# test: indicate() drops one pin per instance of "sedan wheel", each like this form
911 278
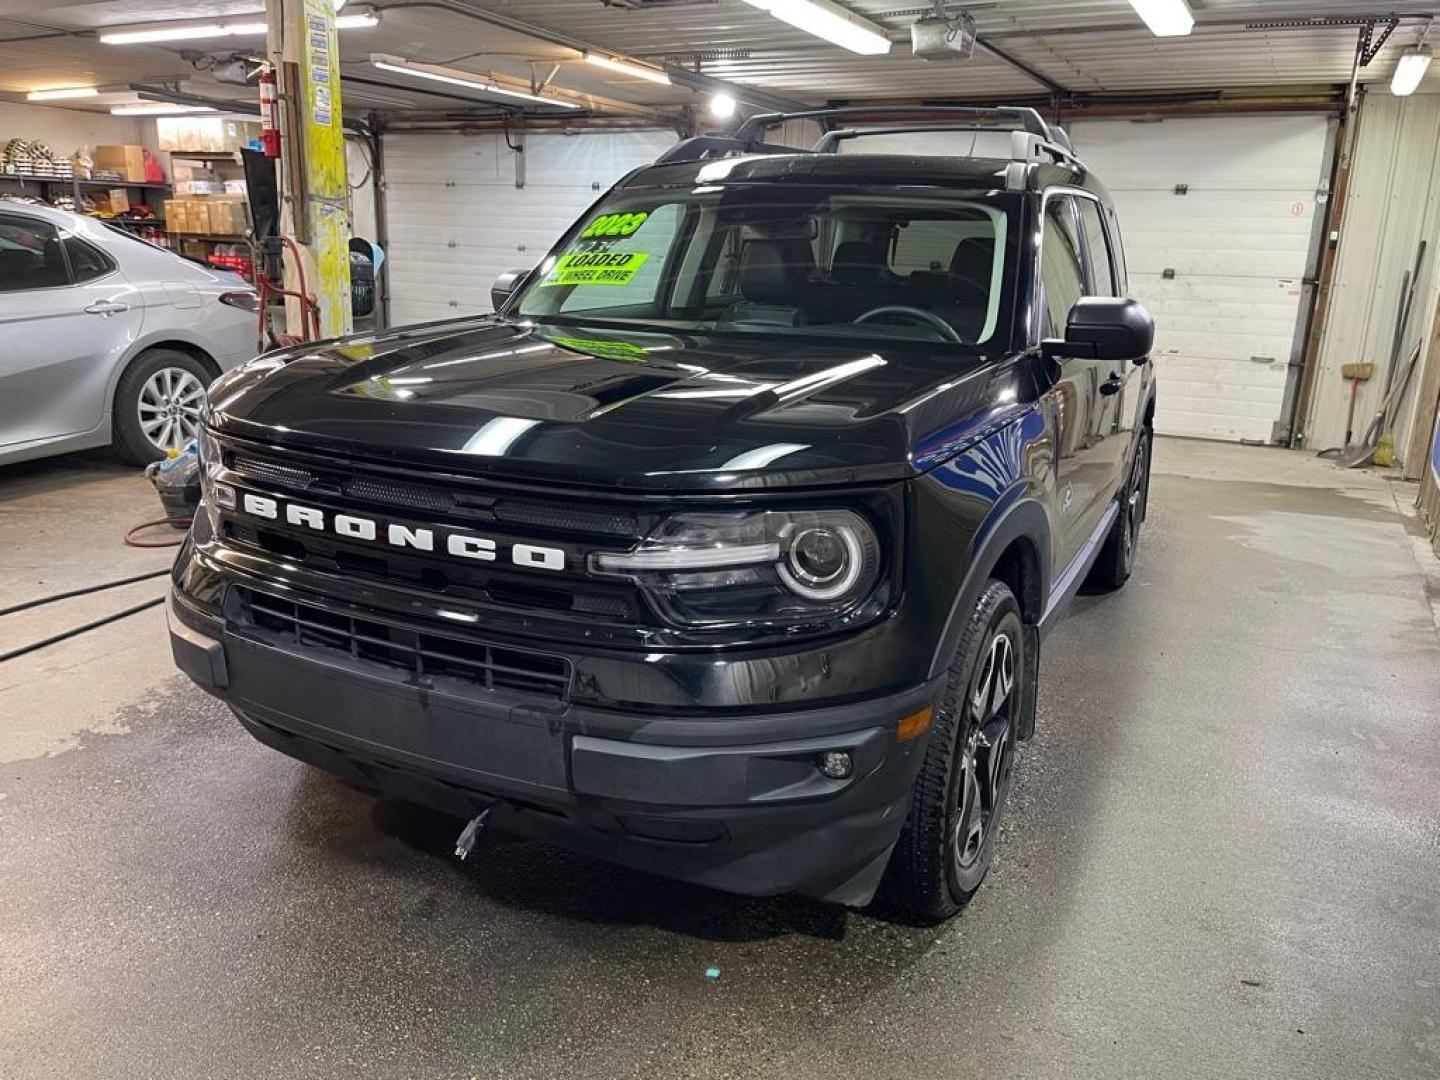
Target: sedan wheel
158 404
169 408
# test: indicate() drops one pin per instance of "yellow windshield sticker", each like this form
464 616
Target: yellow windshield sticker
614 225
596 268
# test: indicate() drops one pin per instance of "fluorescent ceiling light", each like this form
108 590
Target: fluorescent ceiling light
197 32
56 95
1165 18
159 108
454 77
626 67
830 21
1410 70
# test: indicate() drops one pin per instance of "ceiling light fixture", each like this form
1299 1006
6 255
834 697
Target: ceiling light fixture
159 108
1165 18
200 31
1410 69
627 67
66 92
455 77
830 21
722 106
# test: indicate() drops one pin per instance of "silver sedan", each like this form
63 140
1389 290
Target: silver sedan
108 339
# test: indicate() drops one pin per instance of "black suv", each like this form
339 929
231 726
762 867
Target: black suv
725 548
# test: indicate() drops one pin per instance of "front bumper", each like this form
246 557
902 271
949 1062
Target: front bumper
729 800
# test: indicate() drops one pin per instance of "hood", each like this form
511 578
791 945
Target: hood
617 409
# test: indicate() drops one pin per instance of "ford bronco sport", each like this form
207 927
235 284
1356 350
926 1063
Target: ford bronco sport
724 549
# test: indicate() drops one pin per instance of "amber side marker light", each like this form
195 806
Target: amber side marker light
914 725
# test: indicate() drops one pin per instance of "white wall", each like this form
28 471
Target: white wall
67 130
1394 201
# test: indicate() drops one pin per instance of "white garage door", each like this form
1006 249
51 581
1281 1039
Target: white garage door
1221 265
456 218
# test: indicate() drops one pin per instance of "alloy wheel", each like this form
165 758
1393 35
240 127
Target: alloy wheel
169 408
1135 497
986 753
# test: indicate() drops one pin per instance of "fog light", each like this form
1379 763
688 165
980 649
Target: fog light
836 764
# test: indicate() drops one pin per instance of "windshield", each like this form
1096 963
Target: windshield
844 262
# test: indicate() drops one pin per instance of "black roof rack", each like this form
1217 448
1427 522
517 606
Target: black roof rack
1032 139
1026 119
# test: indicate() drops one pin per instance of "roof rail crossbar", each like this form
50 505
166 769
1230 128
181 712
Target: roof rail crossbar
1025 118
1024 145
702 147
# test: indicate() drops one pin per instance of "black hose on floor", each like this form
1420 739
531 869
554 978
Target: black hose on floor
91 625
86 591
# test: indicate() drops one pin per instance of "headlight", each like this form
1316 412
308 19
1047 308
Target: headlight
781 568
213 495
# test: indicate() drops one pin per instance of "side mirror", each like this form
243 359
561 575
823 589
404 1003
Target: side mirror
506 286
1104 328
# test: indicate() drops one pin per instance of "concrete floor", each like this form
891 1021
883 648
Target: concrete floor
1223 857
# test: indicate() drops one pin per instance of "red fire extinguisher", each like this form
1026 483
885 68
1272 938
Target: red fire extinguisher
269 114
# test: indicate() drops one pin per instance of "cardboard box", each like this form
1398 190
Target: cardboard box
205 134
177 219
128 161
114 201
198 213
227 215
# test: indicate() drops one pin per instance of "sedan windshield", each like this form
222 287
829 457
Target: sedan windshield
841 262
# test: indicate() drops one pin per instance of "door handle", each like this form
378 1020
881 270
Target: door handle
106 307
1113 385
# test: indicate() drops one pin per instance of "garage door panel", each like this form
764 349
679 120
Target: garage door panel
457 220
583 160
1250 153
1236 243
444 159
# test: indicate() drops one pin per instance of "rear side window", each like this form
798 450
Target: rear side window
1102 267
1061 272
30 255
86 262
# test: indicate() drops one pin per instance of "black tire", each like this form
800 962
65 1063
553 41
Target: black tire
1117 558
948 840
129 439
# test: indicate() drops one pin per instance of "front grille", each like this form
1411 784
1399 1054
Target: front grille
419 657
574 602
404 495
370 487
271 473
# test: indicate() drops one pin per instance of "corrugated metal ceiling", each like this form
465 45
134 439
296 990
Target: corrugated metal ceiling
1086 46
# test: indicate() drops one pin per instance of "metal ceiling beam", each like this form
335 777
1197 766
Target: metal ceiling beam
691 79
1022 67
176 97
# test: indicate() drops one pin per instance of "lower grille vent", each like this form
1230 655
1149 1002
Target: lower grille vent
420 656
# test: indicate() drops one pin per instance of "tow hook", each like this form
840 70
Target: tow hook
465 842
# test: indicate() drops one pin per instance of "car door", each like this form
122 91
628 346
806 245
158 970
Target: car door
1085 461
1126 379
67 318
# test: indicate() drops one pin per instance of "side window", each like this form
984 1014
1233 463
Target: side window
85 261
1102 269
1061 272
30 255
